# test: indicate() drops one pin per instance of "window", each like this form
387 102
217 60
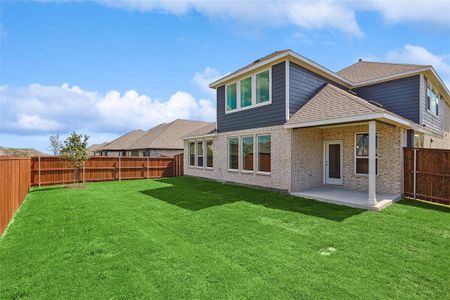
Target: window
249 92
209 154
432 100
247 153
231 97
262 87
246 92
192 154
233 153
199 153
264 153
362 153
418 140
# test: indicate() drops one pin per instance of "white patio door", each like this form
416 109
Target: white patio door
333 162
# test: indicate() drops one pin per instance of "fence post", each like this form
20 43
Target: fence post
83 172
39 170
414 173
148 165
120 179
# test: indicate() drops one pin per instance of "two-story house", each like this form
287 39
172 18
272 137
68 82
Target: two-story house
285 122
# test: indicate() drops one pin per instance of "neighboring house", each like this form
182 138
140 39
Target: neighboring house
164 140
20 152
287 123
94 149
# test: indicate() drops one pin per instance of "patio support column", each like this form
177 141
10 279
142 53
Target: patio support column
372 163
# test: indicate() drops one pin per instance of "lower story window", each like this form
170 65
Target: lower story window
264 153
209 154
233 153
200 154
247 153
192 154
362 154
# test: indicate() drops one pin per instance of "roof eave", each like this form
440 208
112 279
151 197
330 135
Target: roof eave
381 116
287 55
199 136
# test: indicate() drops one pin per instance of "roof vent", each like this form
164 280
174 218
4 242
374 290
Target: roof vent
375 103
257 60
360 60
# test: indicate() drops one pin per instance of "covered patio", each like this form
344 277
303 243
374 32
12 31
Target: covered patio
348 151
352 198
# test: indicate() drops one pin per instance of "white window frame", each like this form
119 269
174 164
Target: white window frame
242 153
356 156
438 98
195 154
228 154
205 162
257 154
238 92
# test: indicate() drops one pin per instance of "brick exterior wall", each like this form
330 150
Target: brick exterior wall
279 178
297 158
307 164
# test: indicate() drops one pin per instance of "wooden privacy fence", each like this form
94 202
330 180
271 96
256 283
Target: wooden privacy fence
427 174
53 170
14 186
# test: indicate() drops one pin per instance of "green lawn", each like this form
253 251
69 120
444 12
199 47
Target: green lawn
189 238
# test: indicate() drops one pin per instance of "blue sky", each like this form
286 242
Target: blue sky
105 67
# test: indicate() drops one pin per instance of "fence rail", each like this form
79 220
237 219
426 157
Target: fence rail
14 187
48 170
427 174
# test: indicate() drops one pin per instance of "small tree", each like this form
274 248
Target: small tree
55 144
75 151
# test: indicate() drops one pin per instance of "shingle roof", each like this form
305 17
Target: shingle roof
96 147
167 136
125 141
205 130
332 102
365 70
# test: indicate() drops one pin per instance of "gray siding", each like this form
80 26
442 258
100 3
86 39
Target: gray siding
303 84
264 116
399 96
431 121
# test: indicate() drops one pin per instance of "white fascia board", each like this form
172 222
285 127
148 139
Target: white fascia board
199 136
350 119
222 80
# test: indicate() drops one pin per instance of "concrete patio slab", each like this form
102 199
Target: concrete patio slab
352 198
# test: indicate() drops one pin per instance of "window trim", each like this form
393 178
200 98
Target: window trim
258 172
242 153
197 141
206 153
429 86
253 91
228 154
356 156
195 154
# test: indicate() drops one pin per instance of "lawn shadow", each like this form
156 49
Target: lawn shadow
195 194
425 205
47 188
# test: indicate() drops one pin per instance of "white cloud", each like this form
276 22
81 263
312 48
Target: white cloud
414 54
398 11
203 79
39 109
312 15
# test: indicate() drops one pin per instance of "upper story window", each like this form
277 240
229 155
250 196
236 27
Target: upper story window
249 92
432 99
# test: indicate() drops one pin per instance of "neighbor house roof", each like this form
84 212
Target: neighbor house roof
366 70
209 129
167 136
96 147
332 104
125 141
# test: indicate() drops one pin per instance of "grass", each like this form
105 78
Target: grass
189 238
